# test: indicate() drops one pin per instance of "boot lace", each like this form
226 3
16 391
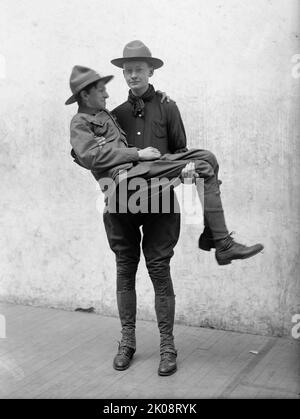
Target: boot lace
167 355
123 350
229 241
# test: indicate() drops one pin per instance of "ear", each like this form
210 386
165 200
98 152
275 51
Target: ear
151 71
83 96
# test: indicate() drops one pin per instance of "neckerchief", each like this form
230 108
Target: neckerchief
137 102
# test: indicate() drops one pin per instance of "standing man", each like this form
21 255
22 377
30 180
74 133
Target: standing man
160 231
147 122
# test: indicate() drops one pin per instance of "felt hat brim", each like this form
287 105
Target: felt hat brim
155 62
72 99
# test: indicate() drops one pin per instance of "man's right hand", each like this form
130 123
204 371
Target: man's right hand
149 153
101 141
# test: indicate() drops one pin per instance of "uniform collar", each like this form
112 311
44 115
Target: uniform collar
90 111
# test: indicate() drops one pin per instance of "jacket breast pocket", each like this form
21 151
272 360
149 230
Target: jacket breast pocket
159 129
99 128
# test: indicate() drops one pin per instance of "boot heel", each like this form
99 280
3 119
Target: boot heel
224 262
205 247
205 243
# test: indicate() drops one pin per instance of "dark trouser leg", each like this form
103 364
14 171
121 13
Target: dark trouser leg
171 167
213 209
124 239
161 233
207 167
206 238
212 200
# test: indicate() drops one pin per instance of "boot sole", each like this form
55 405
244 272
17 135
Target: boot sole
207 249
228 261
206 244
121 369
165 374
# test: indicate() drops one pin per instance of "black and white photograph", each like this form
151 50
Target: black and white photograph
150 202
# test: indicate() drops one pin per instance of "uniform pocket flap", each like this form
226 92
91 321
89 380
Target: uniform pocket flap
159 129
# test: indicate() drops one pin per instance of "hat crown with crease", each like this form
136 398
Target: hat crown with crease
137 51
80 78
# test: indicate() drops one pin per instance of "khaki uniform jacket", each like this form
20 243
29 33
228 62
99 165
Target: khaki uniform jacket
108 160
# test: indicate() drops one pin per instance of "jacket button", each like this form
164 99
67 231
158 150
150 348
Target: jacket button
138 133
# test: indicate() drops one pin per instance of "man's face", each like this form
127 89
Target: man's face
96 98
137 75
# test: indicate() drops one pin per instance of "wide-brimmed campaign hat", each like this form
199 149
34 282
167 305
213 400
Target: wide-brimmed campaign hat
137 51
82 77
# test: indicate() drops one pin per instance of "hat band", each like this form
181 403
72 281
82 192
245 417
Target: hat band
85 83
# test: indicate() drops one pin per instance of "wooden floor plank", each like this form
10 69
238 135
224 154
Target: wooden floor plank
59 354
52 343
62 358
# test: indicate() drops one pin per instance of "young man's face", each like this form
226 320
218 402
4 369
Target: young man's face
96 97
137 75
